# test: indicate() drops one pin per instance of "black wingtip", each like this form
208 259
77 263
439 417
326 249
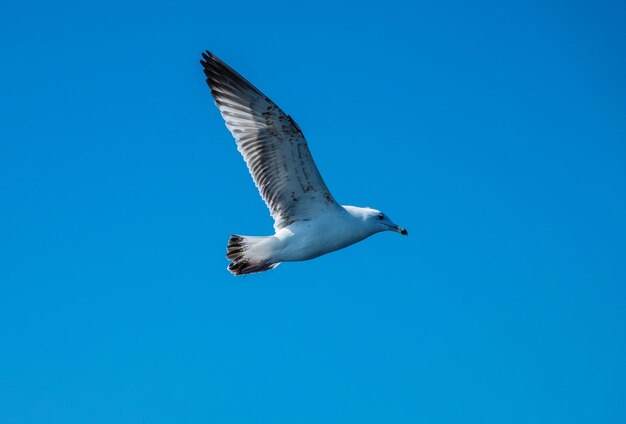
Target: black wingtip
217 72
208 60
207 57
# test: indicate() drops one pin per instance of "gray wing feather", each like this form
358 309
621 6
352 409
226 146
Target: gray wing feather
272 145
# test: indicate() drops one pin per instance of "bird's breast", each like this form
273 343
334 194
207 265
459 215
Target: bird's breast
305 240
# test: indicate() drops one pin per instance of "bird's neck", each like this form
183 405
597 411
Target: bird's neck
359 220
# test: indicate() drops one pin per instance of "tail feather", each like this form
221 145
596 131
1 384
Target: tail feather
243 262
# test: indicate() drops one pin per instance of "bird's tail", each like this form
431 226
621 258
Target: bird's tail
245 258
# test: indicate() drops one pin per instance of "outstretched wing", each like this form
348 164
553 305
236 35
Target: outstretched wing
272 145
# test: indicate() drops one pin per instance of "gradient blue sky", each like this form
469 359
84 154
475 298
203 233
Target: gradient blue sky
494 131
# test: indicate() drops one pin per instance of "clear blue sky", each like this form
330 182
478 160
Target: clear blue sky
495 132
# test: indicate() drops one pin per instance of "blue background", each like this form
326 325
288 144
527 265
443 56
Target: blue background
494 131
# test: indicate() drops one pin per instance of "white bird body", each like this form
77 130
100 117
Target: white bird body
304 240
308 222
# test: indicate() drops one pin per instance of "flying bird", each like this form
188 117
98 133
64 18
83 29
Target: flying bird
308 222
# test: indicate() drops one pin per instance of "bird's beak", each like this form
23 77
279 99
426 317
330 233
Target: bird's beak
401 230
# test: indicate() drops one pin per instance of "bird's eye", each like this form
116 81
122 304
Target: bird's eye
380 216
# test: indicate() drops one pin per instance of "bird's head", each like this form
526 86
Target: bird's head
375 220
380 221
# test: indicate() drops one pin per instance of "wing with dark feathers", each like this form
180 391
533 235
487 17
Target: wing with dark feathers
272 145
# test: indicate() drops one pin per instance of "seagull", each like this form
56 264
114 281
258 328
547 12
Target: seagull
308 222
